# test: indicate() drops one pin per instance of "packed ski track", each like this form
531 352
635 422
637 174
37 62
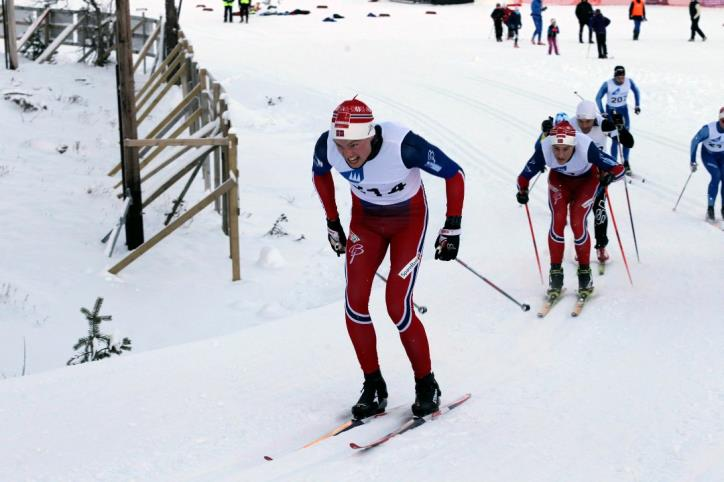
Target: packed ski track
223 374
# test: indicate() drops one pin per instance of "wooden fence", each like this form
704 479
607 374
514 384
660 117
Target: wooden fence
192 137
78 28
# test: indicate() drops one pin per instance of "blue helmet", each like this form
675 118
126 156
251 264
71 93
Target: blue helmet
560 117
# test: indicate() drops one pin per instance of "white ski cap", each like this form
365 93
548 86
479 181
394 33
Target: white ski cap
586 110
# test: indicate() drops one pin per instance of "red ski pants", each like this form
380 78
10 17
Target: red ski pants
373 230
577 195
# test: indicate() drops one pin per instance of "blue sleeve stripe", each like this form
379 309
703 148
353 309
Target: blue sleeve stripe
637 94
320 164
698 138
417 152
601 92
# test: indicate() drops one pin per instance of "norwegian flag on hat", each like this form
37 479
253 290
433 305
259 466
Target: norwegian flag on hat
351 120
563 133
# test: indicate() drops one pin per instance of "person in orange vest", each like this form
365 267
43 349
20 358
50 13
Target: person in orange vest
637 13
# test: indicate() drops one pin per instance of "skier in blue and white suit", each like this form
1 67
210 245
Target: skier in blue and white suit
616 91
712 156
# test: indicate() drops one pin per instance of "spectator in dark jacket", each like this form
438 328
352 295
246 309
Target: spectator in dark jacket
584 12
695 14
514 24
507 12
599 24
497 17
637 13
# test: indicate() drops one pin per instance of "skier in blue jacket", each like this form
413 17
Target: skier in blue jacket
712 156
616 91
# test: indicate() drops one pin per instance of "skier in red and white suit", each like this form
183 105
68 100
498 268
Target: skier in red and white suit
382 163
575 163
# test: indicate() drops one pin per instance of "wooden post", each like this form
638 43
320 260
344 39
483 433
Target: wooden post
216 92
224 167
131 171
205 119
233 211
11 39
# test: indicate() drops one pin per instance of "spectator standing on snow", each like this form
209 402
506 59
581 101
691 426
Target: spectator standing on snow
515 22
599 24
228 10
536 11
695 14
553 32
584 12
637 13
507 12
497 17
244 10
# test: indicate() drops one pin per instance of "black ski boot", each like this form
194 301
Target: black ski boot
427 396
627 168
555 281
374 396
710 214
585 281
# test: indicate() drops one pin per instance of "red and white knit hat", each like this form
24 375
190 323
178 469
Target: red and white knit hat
563 133
352 120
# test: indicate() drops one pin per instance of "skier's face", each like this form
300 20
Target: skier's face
586 125
355 152
562 153
619 79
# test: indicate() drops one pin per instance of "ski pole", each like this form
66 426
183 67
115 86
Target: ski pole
615 226
535 245
579 95
630 214
522 306
682 191
420 308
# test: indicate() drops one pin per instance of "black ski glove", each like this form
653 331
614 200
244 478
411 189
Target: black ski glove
605 179
336 237
448 241
617 120
546 125
637 110
522 197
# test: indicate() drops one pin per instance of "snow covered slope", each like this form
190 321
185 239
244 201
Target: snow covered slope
224 373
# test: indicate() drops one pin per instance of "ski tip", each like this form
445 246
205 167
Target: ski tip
354 445
266 457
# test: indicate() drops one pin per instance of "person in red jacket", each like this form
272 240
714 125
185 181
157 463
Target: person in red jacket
383 164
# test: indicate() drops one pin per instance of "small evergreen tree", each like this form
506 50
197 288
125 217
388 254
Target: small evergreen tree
96 345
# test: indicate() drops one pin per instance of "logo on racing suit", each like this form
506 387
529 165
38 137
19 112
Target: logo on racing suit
356 250
409 267
354 176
